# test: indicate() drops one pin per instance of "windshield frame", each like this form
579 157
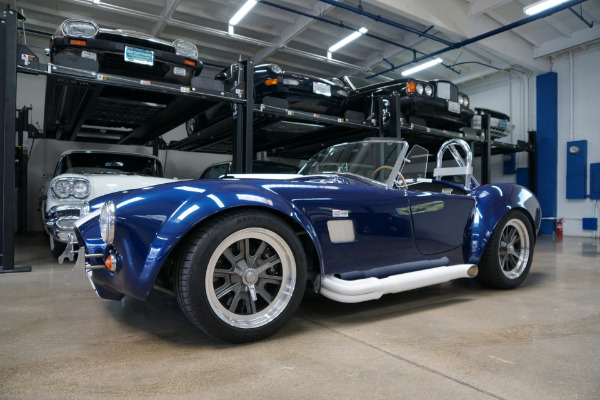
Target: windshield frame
389 183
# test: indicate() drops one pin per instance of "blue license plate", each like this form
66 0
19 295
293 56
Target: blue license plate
139 56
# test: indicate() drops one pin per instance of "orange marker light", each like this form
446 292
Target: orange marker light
411 87
77 42
270 82
111 263
191 63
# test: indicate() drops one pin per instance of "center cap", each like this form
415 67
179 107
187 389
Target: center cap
511 248
250 277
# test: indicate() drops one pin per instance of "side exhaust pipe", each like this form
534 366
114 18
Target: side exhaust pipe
373 288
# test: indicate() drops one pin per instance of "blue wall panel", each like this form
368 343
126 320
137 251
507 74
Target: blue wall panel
595 181
547 147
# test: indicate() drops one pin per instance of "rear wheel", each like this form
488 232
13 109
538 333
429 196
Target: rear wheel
242 276
507 258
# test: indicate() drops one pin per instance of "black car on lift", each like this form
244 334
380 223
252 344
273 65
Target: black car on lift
81 44
279 88
435 104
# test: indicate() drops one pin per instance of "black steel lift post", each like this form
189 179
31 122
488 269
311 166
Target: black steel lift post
8 106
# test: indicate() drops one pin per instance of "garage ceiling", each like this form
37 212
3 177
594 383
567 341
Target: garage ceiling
282 32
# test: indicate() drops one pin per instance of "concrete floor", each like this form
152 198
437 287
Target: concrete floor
451 341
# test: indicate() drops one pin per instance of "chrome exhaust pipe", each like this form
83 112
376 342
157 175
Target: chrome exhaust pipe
373 288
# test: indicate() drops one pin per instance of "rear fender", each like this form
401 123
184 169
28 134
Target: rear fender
493 202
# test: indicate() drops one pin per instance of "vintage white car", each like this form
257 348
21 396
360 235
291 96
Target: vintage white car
83 175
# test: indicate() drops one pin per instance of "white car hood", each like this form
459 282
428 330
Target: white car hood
102 184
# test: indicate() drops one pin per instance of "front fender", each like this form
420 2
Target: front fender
145 236
493 202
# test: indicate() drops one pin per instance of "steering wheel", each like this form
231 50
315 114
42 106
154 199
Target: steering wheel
404 184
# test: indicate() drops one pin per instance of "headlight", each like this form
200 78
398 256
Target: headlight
80 28
429 90
419 88
186 49
61 188
466 101
66 187
81 189
107 222
460 99
275 68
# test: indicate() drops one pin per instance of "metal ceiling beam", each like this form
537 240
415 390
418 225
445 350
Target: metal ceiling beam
479 7
494 32
578 38
517 31
289 33
165 15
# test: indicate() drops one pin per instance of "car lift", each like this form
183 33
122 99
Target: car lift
246 129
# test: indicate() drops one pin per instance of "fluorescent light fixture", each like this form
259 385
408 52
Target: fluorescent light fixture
540 6
242 12
421 67
348 39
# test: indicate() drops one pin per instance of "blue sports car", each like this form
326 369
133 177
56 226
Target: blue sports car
360 220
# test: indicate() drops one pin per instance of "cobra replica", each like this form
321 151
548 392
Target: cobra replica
359 221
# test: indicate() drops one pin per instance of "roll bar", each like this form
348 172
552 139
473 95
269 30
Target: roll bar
464 168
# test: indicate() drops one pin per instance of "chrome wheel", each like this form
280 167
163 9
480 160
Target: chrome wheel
250 278
514 248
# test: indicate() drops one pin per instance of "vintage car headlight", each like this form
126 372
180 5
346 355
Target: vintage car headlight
419 88
80 28
186 49
275 68
66 187
107 222
461 100
429 90
466 101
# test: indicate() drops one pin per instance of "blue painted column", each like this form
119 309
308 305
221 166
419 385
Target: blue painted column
547 147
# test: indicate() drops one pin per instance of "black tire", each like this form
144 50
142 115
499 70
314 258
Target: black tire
59 248
507 258
237 302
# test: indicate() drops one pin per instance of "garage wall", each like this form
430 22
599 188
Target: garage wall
578 119
508 93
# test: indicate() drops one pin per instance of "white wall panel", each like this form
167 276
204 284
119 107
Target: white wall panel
583 124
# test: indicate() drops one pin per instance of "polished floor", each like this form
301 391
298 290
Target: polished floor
450 341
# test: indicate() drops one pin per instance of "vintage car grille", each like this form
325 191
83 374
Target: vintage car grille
136 42
67 213
447 91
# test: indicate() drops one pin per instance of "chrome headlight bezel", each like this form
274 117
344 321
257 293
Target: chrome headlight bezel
106 222
90 28
185 49
63 188
275 68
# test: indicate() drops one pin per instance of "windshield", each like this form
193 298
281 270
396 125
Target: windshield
108 163
372 159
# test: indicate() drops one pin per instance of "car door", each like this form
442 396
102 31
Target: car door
441 222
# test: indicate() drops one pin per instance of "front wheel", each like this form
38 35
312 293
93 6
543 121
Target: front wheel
242 276
507 258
